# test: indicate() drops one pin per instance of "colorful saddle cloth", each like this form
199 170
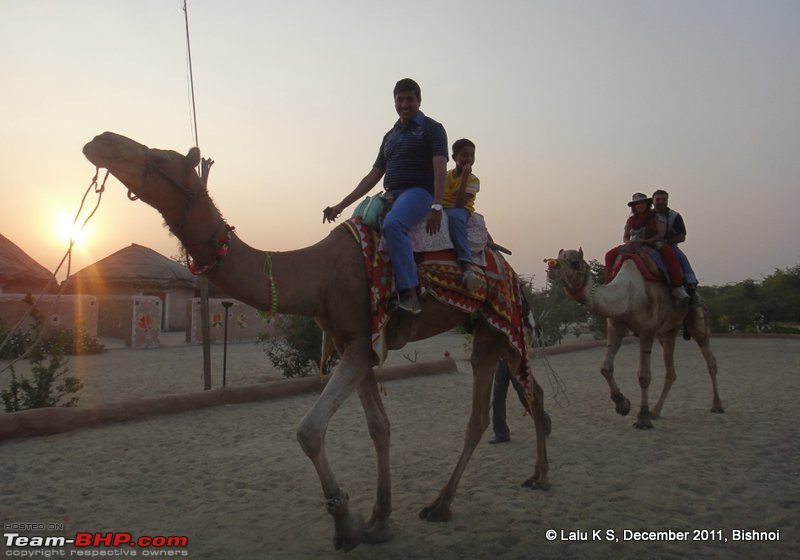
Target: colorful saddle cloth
639 258
499 301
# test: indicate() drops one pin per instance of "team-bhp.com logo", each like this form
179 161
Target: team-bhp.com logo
95 540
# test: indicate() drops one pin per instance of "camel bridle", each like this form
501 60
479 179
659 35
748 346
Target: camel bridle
218 243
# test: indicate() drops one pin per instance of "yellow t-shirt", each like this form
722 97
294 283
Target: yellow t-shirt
451 186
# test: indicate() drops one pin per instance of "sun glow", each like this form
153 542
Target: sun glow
66 231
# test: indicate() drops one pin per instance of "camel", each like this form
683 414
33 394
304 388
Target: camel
328 282
649 311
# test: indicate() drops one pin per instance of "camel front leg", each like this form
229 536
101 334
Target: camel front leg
354 366
485 353
615 333
378 529
667 341
643 421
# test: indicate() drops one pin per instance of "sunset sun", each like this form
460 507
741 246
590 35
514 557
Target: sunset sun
65 231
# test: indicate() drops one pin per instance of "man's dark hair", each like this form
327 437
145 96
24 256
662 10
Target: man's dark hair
407 84
459 145
661 191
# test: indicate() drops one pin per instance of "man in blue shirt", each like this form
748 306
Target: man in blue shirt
412 161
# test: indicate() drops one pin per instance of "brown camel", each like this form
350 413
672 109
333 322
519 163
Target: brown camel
649 311
326 281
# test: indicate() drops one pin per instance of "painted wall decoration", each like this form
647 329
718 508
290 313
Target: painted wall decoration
244 322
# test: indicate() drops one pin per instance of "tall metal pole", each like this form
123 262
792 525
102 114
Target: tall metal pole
205 327
227 305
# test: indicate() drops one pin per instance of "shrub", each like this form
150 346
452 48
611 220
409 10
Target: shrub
49 383
297 352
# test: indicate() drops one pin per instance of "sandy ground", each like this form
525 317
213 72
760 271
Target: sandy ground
235 482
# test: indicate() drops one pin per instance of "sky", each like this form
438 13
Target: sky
573 106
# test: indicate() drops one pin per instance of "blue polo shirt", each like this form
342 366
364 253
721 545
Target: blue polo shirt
406 153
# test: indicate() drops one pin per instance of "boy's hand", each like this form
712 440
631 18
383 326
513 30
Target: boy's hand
466 171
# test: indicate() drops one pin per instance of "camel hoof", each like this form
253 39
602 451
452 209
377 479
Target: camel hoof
436 514
350 534
535 483
717 409
623 405
378 533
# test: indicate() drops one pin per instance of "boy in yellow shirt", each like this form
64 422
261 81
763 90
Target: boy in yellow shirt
460 189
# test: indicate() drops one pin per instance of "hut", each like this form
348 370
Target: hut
132 272
20 274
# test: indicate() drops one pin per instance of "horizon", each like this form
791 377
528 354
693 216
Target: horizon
573 107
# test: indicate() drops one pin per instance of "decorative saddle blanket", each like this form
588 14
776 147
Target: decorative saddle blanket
655 271
423 242
499 301
372 210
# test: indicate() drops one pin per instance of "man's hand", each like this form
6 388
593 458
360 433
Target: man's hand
434 222
331 213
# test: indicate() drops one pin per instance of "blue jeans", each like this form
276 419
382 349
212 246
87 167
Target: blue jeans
457 223
502 378
688 274
410 207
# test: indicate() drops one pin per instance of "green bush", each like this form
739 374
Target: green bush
49 383
298 350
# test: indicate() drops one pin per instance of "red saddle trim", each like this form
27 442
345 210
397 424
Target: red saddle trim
640 264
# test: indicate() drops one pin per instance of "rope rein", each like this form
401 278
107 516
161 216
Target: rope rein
98 190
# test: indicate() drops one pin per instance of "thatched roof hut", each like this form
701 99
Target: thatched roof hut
20 274
138 271
134 265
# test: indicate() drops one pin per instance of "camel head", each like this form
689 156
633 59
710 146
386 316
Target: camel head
569 269
164 179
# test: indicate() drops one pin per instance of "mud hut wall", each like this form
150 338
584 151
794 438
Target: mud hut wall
66 311
244 322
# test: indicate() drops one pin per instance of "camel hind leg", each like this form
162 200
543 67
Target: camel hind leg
543 426
487 346
698 326
644 419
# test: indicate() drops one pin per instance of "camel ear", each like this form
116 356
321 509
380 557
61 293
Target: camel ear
193 157
560 253
580 252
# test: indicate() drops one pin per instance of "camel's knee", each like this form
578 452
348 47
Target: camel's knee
310 437
644 381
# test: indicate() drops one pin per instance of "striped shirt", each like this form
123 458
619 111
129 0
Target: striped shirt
406 153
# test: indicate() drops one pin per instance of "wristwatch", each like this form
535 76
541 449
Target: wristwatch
437 207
